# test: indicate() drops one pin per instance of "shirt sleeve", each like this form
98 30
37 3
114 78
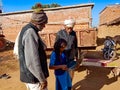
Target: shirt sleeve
52 59
15 50
57 36
30 41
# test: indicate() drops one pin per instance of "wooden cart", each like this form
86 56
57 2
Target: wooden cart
85 37
113 65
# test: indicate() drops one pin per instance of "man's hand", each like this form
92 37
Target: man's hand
43 85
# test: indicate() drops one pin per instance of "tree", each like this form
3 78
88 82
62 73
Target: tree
38 7
46 6
55 5
51 5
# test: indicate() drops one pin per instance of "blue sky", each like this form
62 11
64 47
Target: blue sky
21 5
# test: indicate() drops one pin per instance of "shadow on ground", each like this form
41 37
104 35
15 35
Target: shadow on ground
95 79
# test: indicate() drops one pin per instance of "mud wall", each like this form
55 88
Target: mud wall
13 22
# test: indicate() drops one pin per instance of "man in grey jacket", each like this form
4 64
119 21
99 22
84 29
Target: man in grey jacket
32 56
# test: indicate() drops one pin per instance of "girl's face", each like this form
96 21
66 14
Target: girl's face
62 48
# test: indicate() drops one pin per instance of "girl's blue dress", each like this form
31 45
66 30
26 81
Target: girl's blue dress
63 79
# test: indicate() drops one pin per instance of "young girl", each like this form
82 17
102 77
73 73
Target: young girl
58 62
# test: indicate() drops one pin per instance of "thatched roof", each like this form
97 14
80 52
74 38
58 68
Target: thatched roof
114 22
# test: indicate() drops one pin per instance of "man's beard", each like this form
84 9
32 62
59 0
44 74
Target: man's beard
40 28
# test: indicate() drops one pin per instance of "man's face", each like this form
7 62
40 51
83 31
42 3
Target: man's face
40 27
68 29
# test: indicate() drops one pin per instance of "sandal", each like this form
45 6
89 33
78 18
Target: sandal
5 76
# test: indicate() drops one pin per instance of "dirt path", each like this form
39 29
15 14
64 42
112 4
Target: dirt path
98 79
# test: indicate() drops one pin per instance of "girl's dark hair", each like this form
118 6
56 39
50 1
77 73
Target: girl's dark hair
58 44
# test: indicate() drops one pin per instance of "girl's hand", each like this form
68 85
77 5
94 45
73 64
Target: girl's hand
64 67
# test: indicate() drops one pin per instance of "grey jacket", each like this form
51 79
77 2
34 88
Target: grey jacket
32 57
71 38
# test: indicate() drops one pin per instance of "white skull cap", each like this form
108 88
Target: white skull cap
69 22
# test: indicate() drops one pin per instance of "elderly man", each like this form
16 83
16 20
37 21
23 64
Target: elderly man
32 56
70 36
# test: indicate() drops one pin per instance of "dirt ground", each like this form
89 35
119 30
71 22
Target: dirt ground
97 79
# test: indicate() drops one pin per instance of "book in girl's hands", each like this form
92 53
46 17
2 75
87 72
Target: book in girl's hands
72 64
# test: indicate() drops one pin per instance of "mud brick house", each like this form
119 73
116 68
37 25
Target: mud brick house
14 21
109 21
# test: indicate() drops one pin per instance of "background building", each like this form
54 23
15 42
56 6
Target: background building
14 21
109 21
